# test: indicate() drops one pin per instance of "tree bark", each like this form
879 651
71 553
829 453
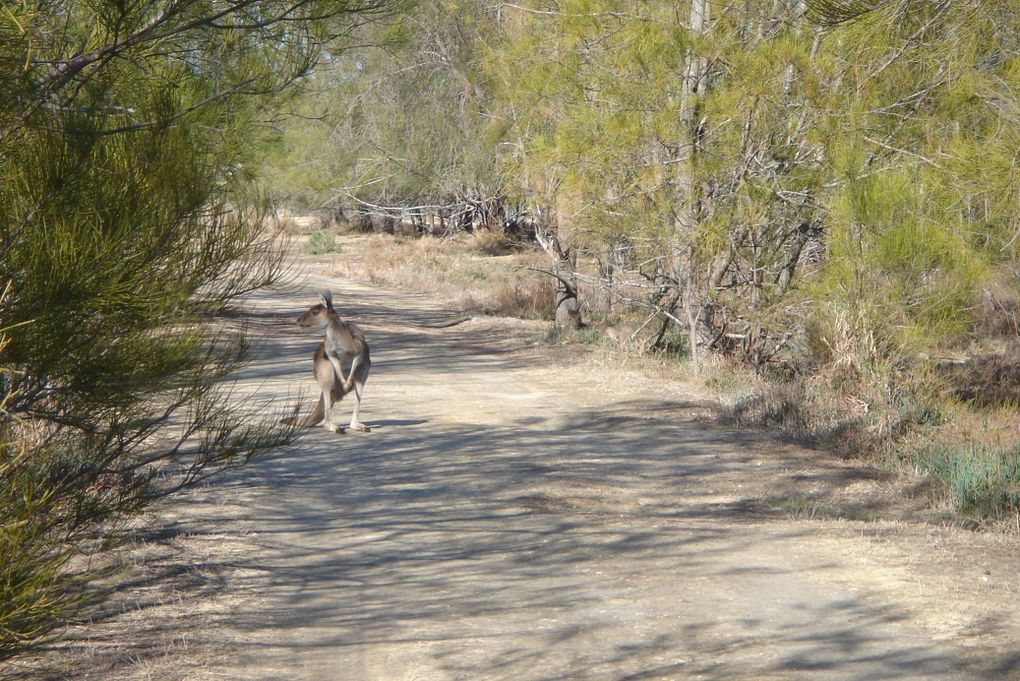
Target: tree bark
687 199
568 306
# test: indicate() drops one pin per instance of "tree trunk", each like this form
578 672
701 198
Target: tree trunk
687 197
568 307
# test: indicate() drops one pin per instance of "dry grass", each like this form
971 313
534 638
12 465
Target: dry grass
988 379
487 242
463 270
959 429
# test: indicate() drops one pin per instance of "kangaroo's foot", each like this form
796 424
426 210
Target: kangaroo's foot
360 427
334 428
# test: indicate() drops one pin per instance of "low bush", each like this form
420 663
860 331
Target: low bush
320 243
982 479
489 242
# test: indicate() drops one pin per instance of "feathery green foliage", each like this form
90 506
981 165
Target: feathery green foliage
128 221
982 479
396 123
320 242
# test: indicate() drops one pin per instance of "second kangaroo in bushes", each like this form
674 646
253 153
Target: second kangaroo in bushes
340 364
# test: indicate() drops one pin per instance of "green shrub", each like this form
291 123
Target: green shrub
589 336
675 343
35 590
320 243
983 480
129 224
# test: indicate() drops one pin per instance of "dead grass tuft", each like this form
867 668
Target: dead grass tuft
987 379
488 242
997 308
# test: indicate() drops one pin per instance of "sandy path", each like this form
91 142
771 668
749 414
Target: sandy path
511 517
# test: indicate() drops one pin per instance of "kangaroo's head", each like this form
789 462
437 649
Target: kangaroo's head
318 315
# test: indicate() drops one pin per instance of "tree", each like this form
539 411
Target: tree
680 135
922 202
397 127
129 221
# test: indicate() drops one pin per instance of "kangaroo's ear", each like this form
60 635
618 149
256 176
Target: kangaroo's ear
326 298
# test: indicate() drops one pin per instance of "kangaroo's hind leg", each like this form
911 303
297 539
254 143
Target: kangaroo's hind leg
356 423
328 383
327 421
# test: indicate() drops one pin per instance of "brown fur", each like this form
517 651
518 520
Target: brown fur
340 364
320 365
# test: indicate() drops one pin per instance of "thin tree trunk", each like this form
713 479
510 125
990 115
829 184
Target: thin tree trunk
687 199
568 307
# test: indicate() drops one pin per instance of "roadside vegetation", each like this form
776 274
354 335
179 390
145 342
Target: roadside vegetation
818 193
130 221
464 271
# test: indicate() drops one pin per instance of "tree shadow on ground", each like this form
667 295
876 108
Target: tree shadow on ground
626 541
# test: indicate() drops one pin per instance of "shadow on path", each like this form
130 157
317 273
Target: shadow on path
503 522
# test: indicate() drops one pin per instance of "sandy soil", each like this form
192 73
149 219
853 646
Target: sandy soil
524 512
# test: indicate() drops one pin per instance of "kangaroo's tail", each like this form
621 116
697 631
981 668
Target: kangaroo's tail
312 419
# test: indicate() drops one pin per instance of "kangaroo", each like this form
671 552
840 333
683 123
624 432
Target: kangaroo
340 364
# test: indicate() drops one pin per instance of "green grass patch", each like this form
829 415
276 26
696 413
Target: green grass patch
551 336
589 336
803 508
320 243
586 336
984 480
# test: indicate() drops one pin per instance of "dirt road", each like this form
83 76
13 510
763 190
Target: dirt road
517 515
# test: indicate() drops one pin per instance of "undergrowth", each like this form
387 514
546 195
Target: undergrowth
909 420
469 271
320 243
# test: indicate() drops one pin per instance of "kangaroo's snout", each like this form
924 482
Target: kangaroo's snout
316 317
